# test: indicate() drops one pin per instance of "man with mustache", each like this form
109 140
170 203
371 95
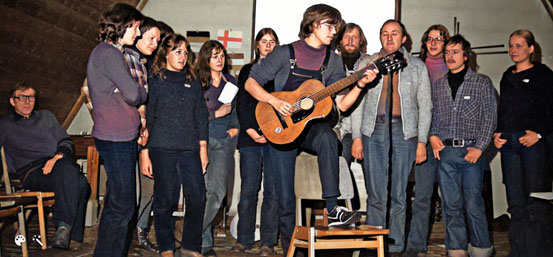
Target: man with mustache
289 66
396 118
463 121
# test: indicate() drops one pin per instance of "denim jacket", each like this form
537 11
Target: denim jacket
415 100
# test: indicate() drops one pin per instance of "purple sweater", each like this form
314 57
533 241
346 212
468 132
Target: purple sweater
115 114
436 68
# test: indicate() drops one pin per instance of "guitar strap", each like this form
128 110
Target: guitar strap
293 60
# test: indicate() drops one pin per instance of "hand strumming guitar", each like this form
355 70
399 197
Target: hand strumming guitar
283 107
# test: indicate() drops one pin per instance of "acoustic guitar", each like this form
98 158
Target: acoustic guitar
312 100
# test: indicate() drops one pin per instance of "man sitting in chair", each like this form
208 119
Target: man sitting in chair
39 151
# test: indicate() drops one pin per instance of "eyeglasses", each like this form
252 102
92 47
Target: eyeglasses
437 39
24 98
329 26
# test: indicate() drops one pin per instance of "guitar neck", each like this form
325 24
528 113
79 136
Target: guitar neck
340 84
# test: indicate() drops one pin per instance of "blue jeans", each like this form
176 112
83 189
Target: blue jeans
120 200
347 143
221 158
171 170
376 150
426 174
251 161
461 184
525 171
319 139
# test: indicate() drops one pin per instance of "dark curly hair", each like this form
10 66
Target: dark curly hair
169 44
114 22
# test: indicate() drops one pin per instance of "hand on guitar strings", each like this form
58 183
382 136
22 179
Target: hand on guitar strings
368 77
283 107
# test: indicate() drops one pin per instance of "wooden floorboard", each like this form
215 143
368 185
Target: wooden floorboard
223 243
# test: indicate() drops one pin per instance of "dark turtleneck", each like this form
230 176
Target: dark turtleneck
455 80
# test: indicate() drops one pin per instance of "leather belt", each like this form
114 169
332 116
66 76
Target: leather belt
455 142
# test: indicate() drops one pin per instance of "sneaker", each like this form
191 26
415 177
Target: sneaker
266 251
341 216
239 248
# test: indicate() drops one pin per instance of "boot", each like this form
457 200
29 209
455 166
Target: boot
143 241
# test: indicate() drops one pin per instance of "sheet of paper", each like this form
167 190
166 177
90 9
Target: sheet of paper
543 195
228 93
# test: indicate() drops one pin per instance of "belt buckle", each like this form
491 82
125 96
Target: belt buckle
458 143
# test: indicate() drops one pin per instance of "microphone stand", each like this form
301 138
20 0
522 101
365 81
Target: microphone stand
390 108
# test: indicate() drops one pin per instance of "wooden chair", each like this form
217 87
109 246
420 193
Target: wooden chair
307 186
13 205
42 199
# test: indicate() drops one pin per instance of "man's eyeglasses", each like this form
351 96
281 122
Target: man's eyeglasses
437 39
23 98
329 26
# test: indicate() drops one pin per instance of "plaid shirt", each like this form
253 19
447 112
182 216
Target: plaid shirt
473 114
136 62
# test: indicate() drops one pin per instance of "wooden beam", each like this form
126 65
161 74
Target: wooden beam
74 110
141 4
548 7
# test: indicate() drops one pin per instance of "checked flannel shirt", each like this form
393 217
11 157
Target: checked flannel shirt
473 113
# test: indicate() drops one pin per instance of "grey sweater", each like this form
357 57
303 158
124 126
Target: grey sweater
415 99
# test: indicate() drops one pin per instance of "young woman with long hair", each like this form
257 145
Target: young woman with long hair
525 120
212 70
254 157
176 153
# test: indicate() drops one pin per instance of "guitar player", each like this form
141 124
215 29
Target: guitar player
400 122
289 66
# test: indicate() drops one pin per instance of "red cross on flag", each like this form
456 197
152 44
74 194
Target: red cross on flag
230 39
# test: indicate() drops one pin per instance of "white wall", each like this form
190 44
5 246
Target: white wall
483 23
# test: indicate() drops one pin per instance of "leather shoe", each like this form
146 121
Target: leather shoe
61 240
143 241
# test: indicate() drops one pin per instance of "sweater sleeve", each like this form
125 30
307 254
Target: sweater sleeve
267 68
202 115
246 114
117 71
233 115
65 145
151 105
